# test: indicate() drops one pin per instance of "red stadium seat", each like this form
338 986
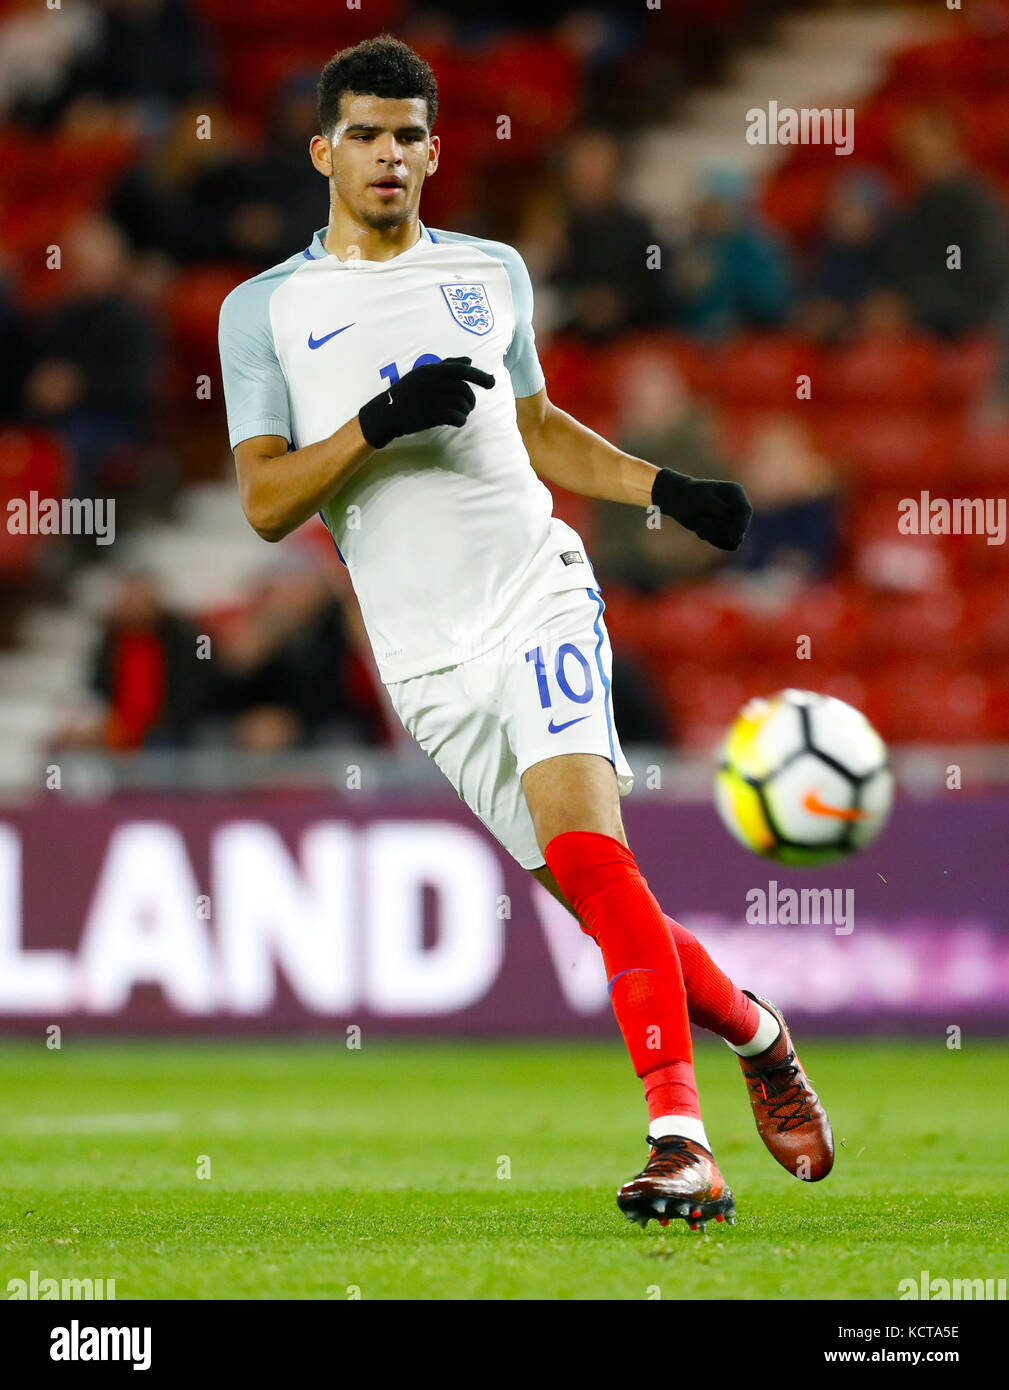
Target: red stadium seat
696 620
985 456
88 162
253 71
883 558
535 80
876 446
897 375
793 199
193 306
876 122
264 17
933 625
965 370
834 616
922 702
703 703
762 371
578 380
30 461
988 605
696 363
947 66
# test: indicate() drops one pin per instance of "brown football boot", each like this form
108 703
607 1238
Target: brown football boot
790 1119
680 1179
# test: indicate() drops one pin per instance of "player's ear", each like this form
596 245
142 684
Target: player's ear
321 153
432 157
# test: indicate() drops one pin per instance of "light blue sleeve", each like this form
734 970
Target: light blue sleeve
521 359
255 391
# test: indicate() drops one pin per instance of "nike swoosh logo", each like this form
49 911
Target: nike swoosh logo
318 342
812 803
557 728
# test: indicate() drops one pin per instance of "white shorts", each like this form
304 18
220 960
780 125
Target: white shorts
544 690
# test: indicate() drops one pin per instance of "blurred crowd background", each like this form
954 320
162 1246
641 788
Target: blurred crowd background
772 265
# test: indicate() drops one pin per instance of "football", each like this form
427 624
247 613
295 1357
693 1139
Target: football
803 778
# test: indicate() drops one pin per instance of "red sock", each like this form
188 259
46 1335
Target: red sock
713 1000
601 880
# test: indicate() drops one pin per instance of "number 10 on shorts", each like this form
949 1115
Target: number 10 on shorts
566 653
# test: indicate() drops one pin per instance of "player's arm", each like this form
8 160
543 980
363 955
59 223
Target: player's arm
564 451
280 490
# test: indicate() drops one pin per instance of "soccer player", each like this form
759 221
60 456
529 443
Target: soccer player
387 377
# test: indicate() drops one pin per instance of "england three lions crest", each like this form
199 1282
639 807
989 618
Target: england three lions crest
470 307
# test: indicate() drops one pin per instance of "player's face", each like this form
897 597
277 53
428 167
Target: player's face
381 153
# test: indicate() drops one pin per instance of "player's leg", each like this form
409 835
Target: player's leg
561 672
789 1115
574 805
713 1001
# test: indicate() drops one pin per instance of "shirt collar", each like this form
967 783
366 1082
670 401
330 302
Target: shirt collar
316 250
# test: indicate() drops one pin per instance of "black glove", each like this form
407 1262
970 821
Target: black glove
437 393
718 512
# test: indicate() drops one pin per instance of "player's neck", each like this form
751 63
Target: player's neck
349 239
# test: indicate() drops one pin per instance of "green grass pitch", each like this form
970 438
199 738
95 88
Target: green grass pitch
384 1170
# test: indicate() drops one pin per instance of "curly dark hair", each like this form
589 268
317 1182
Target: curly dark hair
383 66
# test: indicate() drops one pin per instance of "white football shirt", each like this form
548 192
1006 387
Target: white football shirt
445 532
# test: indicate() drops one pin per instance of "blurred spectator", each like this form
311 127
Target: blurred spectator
661 424
847 259
149 685
12 348
602 269
272 200
292 676
195 200
794 531
731 272
151 54
638 715
159 201
40 58
952 206
93 358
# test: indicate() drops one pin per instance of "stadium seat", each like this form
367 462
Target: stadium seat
926 625
761 371
895 375
880 447
264 18
965 371
946 66
696 362
532 78
882 558
793 199
693 620
31 460
922 702
193 305
833 615
702 703
985 456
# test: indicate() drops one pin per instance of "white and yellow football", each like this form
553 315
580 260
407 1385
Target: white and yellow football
803 778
